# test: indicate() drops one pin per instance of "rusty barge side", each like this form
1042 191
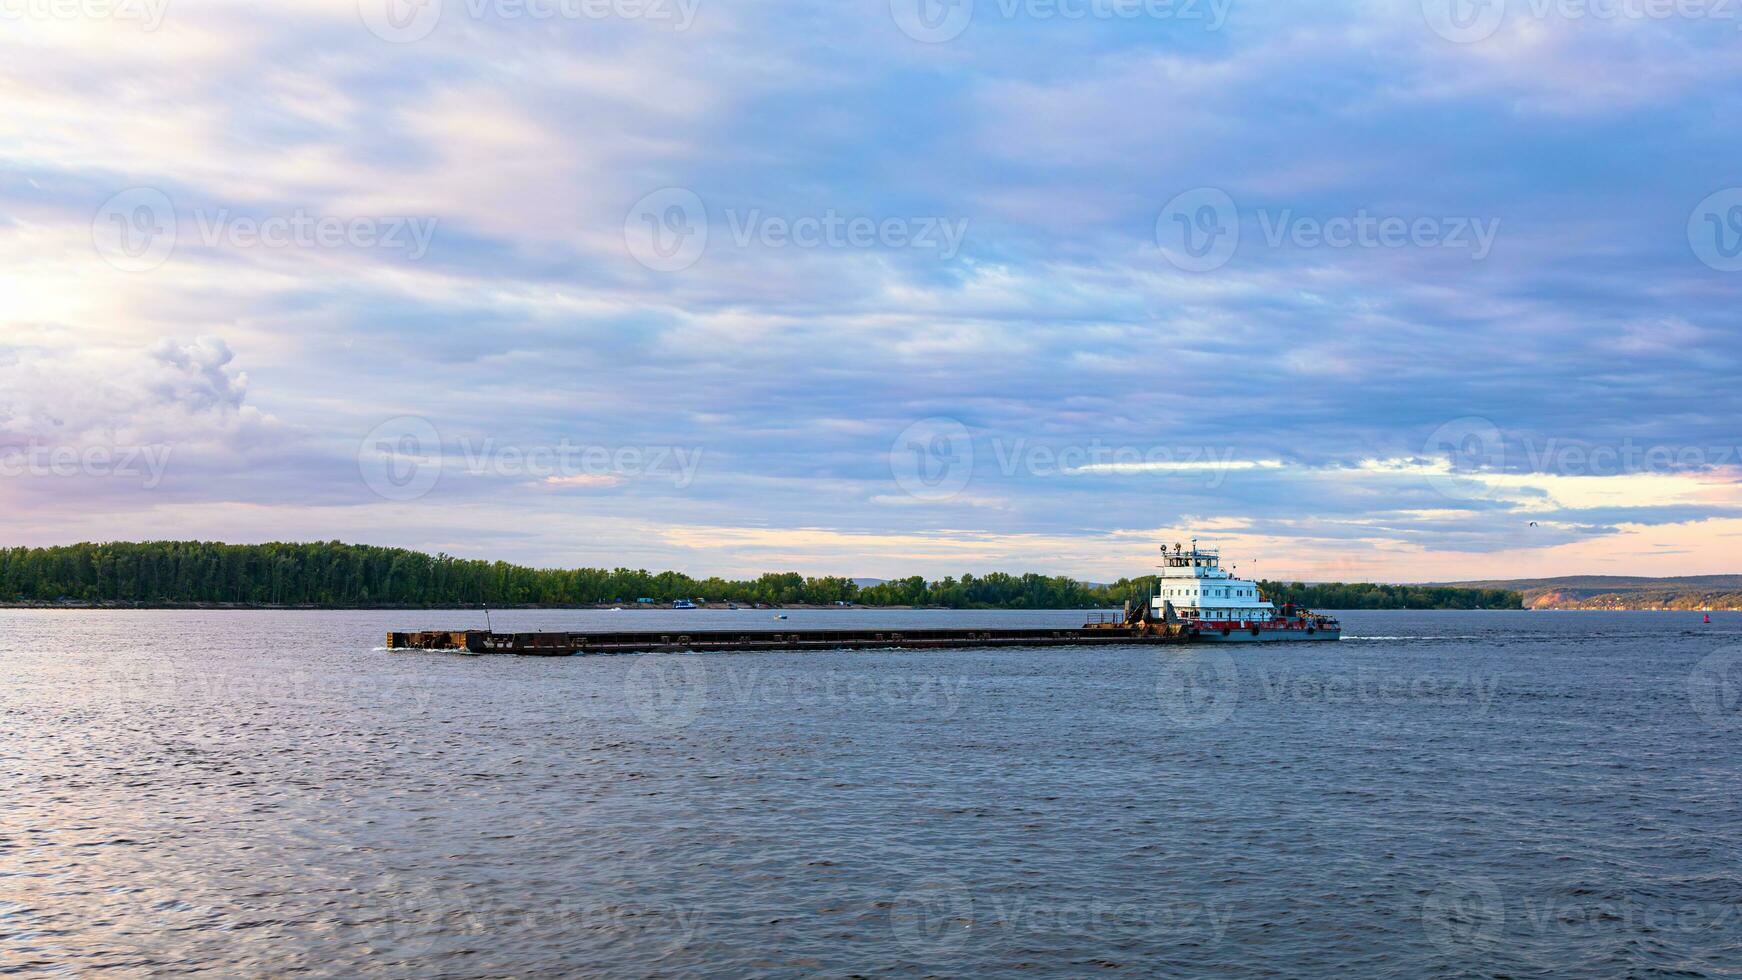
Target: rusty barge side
679 641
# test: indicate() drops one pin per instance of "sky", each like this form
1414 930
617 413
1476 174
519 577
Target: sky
1426 290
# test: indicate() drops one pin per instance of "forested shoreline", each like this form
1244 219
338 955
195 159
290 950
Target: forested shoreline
337 575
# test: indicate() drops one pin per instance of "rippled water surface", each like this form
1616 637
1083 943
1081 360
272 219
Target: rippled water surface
1523 794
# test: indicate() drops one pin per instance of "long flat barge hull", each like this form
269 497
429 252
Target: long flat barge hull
680 641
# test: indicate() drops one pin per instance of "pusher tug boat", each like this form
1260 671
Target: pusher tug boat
1195 592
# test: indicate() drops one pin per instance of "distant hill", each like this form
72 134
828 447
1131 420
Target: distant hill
1608 582
1623 591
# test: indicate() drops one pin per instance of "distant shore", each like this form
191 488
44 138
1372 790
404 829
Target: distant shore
336 575
75 606
596 607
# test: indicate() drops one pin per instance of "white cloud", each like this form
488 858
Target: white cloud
183 394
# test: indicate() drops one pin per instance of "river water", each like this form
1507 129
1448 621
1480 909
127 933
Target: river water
251 793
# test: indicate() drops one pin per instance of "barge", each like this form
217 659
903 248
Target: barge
568 644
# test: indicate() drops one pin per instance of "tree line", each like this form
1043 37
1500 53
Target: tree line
336 574
1369 595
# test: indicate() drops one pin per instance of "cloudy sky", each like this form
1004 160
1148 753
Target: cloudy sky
1414 290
